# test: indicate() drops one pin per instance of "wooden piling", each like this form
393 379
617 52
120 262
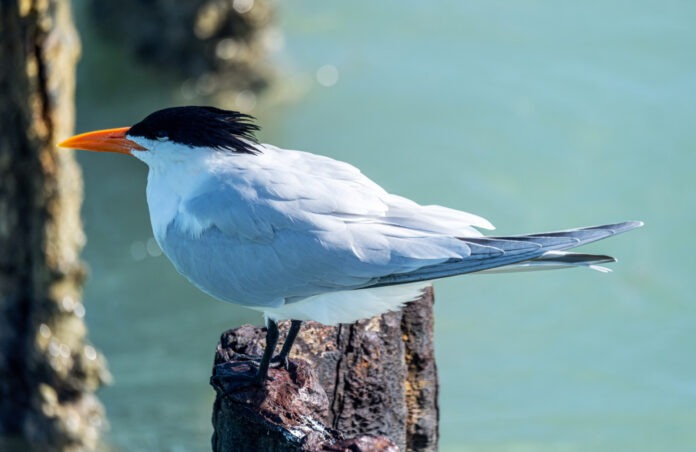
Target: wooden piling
370 386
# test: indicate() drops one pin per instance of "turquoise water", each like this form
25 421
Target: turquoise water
538 115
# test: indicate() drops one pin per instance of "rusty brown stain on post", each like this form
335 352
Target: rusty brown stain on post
422 388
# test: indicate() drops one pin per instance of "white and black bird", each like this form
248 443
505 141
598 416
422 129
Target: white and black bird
303 237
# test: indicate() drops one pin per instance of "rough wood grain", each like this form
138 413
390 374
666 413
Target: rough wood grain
379 377
48 371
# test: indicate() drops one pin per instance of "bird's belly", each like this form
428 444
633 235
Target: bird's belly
240 271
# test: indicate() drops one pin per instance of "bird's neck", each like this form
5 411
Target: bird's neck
168 186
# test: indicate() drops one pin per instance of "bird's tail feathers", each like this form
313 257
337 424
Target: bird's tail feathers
519 253
557 260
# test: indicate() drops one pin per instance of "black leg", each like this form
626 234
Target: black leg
271 342
282 357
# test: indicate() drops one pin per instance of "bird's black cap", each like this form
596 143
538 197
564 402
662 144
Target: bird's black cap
200 126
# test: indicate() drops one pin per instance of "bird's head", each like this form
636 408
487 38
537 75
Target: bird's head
174 130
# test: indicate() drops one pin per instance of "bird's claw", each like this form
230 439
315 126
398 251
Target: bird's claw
246 357
279 361
237 380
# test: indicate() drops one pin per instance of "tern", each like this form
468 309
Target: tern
300 236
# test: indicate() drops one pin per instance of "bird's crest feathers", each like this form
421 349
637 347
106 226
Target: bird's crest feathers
196 126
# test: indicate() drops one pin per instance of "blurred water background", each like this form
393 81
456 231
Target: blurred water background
538 115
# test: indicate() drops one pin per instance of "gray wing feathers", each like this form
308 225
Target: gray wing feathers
493 252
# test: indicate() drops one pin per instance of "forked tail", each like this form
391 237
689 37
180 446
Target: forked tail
519 253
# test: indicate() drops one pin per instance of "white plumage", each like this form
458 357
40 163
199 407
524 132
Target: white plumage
304 237
294 234
264 230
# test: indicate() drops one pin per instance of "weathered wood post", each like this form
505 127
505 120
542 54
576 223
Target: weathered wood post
367 386
218 47
48 370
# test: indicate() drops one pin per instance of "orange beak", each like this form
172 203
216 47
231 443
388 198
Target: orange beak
109 140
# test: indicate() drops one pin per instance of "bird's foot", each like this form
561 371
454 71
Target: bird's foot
237 376
244 357
280 361
232 383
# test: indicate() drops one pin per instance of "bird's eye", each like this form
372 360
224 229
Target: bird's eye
161 136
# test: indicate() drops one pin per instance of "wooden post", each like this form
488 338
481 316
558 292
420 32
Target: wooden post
373 382
219 47
48 371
